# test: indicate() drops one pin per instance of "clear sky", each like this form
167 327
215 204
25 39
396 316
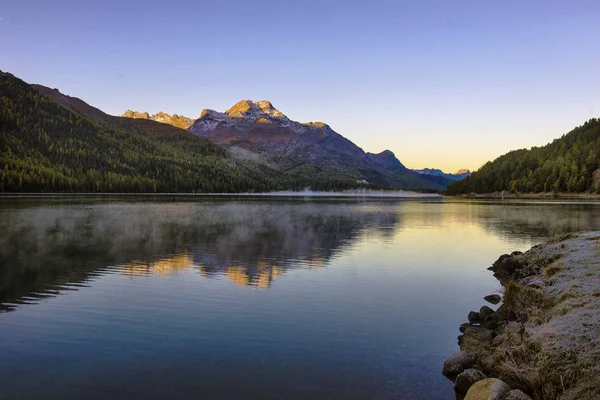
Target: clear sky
445 84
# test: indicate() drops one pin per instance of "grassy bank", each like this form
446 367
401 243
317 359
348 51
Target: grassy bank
544 339
552 348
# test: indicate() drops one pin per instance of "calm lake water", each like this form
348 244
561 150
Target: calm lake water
254 298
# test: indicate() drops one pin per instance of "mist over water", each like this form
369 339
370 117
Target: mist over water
249 297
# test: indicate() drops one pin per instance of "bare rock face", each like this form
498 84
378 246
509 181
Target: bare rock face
176 120
488 389
466 379
259 127
259 122
457 363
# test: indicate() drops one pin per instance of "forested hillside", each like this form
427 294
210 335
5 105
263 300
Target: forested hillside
568 164
49 147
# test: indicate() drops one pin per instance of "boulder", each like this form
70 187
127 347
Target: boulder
457 363
497 263
485 312
477 339
505 267
463 327
511 264
473 317
490 323
502 313
466 379
502 274
516 394
488 389
493 298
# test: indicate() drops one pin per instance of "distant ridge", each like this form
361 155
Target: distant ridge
176 120
457 176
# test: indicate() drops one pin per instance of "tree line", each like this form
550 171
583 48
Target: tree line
568 164
45 147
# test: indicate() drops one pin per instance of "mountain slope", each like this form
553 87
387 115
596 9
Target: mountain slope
257 129
167 135
568 164
49 145
260 123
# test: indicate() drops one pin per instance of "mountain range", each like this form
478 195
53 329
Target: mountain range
257 130
55 142
52 142
457 176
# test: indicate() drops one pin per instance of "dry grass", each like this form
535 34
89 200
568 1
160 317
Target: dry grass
551 347
523 300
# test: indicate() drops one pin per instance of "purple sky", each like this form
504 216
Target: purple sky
445 84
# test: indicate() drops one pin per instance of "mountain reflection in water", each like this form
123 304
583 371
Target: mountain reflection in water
46 249
50 247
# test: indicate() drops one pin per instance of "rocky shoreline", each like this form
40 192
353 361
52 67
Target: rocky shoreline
543 341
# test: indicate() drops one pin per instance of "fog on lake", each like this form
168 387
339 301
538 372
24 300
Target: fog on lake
249 297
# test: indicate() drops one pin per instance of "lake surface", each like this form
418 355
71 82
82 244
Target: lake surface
254 298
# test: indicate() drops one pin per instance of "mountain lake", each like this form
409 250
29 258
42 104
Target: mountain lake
249 297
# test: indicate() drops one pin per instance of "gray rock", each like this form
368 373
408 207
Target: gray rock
485 312
490 323
463 327
511 264
457 363
466 379
516 394
487 389
493 298
497 263
473 317
502 314
505 267
477 339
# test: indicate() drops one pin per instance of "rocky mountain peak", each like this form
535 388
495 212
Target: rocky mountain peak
386 159
136 114
462 171
176 120
252 110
